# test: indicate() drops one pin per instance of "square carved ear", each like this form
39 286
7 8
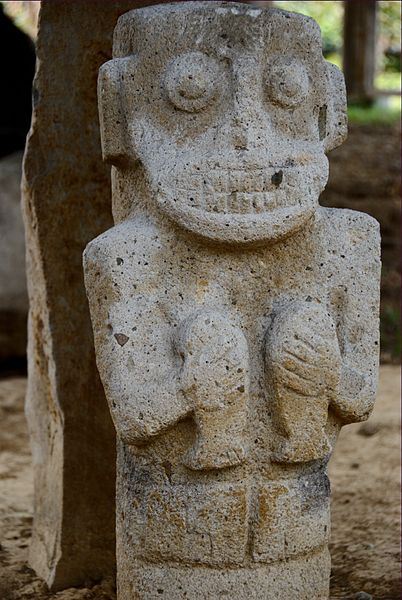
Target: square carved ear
116 145
336 114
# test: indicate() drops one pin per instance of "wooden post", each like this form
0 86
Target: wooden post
359 49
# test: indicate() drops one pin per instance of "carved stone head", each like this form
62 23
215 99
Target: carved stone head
229 110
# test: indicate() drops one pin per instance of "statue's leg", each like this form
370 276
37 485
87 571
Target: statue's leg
302 360
300 421
216 382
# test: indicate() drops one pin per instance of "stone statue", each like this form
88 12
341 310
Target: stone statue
235 320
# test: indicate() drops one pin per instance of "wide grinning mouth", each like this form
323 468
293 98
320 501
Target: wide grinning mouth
237 191
242 204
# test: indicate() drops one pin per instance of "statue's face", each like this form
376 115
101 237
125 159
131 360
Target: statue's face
227 109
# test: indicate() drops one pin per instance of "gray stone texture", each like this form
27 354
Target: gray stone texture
13 287
67 203
235 320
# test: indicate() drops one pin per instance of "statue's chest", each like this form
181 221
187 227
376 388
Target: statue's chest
246 287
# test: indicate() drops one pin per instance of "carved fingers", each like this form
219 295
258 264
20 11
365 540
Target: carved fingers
215 381
215 361
302 350
303 366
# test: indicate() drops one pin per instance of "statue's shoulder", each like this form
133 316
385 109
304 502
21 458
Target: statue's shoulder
126 254
349 231
105 245
121 242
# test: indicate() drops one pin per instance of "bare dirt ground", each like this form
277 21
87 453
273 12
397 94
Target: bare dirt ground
365 474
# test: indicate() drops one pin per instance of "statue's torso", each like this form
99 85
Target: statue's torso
231 515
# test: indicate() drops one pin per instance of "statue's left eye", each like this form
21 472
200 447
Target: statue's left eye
191 81
286 82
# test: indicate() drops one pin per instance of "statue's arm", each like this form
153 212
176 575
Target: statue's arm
356 303
136 359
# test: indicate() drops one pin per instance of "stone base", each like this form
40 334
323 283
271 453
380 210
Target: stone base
303 578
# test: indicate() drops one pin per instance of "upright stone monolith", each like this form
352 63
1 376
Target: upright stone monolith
235 320
66 203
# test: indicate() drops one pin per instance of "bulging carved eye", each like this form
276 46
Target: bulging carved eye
287 82
191 81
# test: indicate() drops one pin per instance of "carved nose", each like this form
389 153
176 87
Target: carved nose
249 127
250 120
240 132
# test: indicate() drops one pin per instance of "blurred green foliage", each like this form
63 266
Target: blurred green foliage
389 45
385 111
389 22
388 80
329 16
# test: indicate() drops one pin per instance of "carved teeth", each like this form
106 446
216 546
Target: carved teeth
245 202
237 182
268 181
258 182
218 203
234 191
220 181
270 200
258 203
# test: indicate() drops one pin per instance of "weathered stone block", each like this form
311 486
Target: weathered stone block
292 518
67 201
196 524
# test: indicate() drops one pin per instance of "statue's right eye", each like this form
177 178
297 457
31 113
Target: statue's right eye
191 81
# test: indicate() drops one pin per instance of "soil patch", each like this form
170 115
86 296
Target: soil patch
365 474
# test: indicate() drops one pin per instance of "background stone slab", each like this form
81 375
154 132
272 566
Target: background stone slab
66 204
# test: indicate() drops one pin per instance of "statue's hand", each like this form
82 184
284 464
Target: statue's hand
303 366
305 355
215 382
215 361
